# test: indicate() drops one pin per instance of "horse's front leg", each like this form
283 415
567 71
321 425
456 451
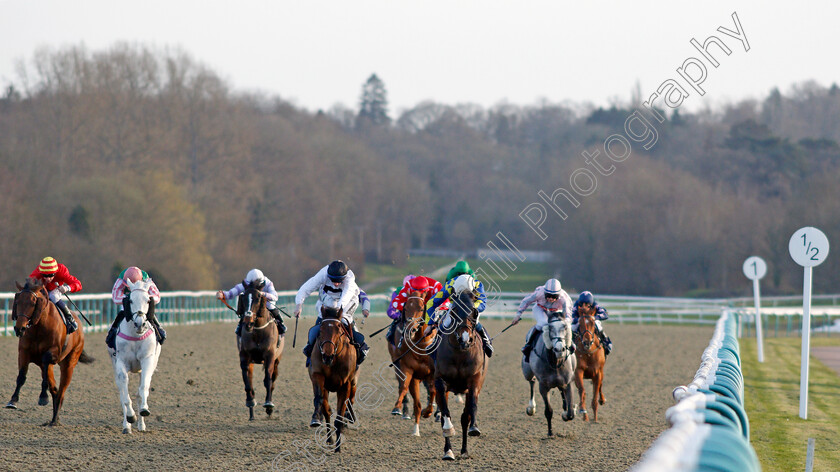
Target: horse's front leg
147 370
402 399
48 378
23 367
270 366
317 388
247 378
549 412
414 387
581 393
343 399
532 404
568 404
597 393
121 380
468 421
445 419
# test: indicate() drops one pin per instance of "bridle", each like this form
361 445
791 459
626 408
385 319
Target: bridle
249 314
336 348
588 340
36 309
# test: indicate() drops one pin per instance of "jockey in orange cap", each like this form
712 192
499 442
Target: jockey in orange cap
58 281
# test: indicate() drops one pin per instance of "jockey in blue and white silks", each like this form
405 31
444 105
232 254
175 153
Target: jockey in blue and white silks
547 299
453 288
586 304
263 284
338 284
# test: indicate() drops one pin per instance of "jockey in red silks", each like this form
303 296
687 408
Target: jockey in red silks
57 280
412 283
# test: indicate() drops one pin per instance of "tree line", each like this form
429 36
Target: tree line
135 156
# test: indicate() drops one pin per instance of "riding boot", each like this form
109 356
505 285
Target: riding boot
605 341
111 337
361 347
68 317
275 312
238 330
533 335
160 333
390 335
310 343
485 339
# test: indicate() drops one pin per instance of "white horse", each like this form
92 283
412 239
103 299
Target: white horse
137 351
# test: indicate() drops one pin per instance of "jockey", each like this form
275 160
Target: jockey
57 280
454 288
586 304
333 282
392 311
549 298
263 284
118 295
428 286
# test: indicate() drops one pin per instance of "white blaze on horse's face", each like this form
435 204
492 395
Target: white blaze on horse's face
465 337
139 303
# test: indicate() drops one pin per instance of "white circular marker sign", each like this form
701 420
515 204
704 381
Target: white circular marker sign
808 246
755 268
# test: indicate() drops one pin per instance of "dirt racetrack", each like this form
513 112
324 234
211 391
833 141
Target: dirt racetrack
199 421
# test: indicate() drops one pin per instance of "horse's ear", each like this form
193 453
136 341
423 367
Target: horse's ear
18 285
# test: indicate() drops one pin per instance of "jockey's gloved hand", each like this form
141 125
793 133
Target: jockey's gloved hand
298 309
64 288
516 318
220 295
365 313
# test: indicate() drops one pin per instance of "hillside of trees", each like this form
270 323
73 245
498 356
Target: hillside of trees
146 157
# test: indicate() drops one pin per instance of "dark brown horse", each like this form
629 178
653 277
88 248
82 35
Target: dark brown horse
333 369
258 345
44 341
460 367
590 364
413 360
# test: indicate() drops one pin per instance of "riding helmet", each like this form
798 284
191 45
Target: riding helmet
133 274
256 277
419 283
463 282
337 270
586 297
552 287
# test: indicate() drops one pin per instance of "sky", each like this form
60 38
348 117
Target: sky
317 54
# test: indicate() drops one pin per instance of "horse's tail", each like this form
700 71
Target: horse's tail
85 358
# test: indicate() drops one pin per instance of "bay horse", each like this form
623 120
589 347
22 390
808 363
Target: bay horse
44 341
591 360
333 369
413 359
460 367
258 344
137 351
553 367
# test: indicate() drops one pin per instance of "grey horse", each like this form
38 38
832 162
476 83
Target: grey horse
553 368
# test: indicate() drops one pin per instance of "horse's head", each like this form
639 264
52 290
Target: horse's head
465 316
30 302
586 326
139 304
415 312
556 329
331 309
253 306
330 341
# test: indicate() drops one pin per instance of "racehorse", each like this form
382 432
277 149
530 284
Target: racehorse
591 359
552 367
413 360
333 369
137 350
44 341
259 344
460 367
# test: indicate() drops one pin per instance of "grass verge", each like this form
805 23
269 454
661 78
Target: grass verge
771 394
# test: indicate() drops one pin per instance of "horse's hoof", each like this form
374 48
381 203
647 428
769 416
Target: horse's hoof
126 431
145 412
426 413
437 416
11 406
460 397
416 430
568 417
465 455
406 417
314 423
131 419
474 431
55 423
530 411
448 432
449 456
249 403
43 401
396 412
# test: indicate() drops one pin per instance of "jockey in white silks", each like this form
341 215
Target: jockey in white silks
549 298
336 286
262 283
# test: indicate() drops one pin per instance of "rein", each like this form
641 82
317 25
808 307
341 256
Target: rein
343 333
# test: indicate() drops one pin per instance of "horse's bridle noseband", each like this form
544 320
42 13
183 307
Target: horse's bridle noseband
322 343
